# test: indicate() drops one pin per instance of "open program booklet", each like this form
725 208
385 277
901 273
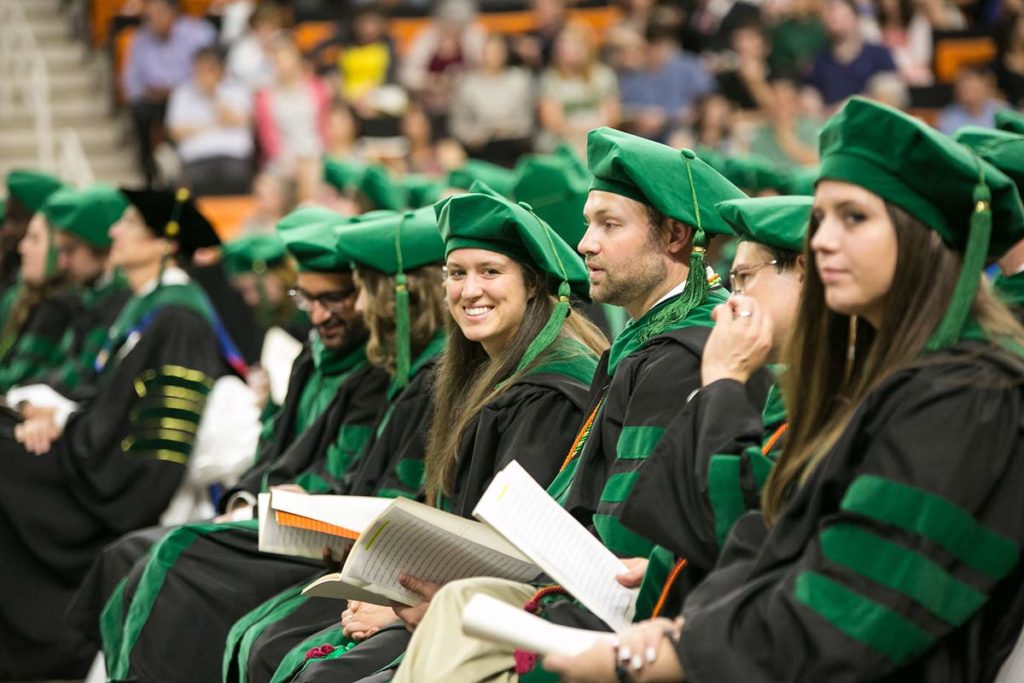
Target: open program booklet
522 534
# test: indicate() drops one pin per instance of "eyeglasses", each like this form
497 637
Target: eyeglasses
739 278
334 301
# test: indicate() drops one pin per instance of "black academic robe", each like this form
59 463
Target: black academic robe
37 348
114 469
76 377
209 574
391 466
533 422
899 557
707 470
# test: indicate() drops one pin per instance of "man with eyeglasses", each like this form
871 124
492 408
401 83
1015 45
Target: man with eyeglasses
334 397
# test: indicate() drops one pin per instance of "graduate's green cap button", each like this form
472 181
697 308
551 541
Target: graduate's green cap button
689 153
32 188
779 222
87 214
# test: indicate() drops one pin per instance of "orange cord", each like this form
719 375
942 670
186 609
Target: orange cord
581 436
774 439
676 571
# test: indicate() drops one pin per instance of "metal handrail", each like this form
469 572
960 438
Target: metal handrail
26 75
74 164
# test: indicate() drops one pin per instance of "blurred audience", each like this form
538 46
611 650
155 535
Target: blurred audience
210 121
975 101
249 60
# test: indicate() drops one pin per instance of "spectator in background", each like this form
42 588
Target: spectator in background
713 125
535 48
1009 66
423 154
788 136
743 70
159 60
906 29
342 130
848 63
797 36
492 110
451 43
577 92
249 60
889 88
661 94
975 102
290 116
210 121
274 196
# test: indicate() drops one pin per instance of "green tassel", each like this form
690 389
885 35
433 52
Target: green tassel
953 322
693 294
403 350
549 333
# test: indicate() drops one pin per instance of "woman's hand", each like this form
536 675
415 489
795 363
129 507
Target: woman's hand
412 616
644 652
740 342
361 620
37 435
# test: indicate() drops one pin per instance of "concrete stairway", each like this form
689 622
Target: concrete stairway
80 100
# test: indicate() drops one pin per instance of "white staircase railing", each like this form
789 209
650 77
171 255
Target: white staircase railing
25 81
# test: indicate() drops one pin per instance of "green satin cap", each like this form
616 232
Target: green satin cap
32 188
556 187
482 219
377 186
779 222
1003 150
392 242
500 179
753 173
309 235
87 214
1011 121
677 183
252 253
912 165
342 174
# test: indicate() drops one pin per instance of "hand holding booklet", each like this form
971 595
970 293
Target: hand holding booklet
522 533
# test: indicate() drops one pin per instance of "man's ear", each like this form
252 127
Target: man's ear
801 265
680 237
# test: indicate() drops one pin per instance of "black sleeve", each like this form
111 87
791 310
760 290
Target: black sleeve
890 552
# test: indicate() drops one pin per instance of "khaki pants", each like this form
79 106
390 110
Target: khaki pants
441 652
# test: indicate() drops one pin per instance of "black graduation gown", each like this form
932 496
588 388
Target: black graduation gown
216 570
533 422
392 466
707 470
898 559
111 471
76 377
37 347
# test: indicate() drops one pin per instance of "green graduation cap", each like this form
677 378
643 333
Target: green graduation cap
393 242
420 190
483 219
973 206
1003 150
87 214
376 184
556 187
252 254
498 178
342 174
32 188
174 216
677 183
754 173
308 234
779 222
1010 120
802 180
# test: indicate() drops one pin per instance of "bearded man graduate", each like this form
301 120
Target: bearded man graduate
649 212
72 484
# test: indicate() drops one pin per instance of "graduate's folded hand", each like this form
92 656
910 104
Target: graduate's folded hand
412 616
635 576
643 653
362 619
739 343
37 435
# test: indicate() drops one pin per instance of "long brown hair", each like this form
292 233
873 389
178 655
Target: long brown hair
467 379
835 360
426 311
